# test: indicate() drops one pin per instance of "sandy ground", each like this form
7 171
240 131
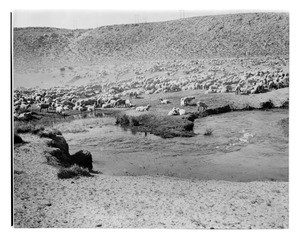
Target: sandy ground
43 200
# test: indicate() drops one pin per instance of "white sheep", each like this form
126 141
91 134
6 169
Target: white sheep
59 109
201 105
186 100
143 108
164 101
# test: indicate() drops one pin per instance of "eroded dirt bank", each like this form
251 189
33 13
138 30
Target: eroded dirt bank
43 200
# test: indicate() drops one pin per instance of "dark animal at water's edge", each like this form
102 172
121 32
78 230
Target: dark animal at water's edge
43 106
201 105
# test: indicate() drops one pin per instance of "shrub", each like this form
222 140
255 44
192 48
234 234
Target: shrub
134 122
49 133
189 126
208 131
83 158
24 128
267 105
37 129
28 128
122 120
73 171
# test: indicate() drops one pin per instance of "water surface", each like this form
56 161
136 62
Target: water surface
244 146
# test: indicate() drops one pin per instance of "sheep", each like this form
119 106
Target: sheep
112 102
24 107
82 108
186 100
68 103
75 108
182 112
38 98
201 105
59 109
66 107
48 100
176 111
106 105
16 108
25 116
128 103
237 89
143 108
272 85
120 102
133 94
173 112
91 108
164 101
63 113
43 106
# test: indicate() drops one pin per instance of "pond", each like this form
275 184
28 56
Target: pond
243 146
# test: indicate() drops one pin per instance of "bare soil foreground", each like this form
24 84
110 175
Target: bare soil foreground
43 200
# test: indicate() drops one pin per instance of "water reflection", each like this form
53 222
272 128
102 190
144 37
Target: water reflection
94 114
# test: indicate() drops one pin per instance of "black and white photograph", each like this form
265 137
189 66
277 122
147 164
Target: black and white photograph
170 119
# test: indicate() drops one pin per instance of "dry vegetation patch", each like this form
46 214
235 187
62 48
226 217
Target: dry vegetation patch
73 171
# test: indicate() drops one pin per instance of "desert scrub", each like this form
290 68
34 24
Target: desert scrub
267 105
23 127
125 120
208 132
73 171
49 133
75 129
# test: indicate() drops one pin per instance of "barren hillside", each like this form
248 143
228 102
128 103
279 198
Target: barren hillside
222 36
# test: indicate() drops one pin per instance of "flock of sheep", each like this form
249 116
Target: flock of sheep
119 94
224 82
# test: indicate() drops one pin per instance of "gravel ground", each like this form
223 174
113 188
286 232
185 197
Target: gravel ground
43 200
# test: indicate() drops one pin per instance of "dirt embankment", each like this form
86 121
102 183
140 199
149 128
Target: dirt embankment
41 199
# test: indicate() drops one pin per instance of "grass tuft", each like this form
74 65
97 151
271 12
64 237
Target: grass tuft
208 132
28 128
72 172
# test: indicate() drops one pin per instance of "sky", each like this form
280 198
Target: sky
90 19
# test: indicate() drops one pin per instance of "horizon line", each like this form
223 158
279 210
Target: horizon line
218 13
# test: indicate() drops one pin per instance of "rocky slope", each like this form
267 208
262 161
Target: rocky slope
222 36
